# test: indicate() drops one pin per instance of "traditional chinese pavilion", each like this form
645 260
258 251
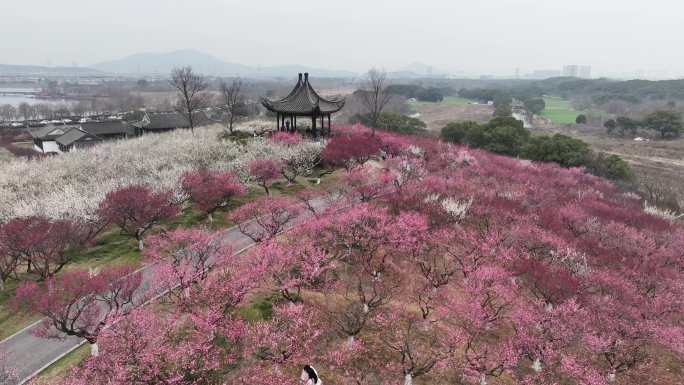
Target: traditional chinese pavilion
303 100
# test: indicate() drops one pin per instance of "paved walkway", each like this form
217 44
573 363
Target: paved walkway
29 355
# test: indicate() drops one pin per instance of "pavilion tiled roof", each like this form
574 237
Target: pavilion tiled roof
304 100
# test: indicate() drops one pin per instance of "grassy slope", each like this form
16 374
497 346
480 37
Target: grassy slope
112 248
58 370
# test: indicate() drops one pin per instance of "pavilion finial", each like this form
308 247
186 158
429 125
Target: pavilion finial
306 76
300 77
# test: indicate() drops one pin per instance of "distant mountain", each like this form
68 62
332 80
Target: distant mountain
163 63
14 70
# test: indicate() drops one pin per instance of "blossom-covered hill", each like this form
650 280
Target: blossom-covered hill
71 185
438 264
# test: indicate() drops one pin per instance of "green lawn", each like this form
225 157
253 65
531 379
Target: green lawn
59 369
456 101
448 101
559 110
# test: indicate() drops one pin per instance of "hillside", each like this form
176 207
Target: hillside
436 264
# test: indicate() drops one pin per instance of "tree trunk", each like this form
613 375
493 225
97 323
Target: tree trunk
408 379
210 217
483 379
611 376
2 285
537 365
141 244
94 350
350 341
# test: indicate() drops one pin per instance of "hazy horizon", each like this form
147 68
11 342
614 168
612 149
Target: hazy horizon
494 37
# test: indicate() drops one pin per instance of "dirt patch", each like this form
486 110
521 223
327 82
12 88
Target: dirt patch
658 159
438 115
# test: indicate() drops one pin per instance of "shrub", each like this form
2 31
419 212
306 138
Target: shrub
456 132
265 217
564 150
503 135
285 138
610 166
136 209
351 149
507 140
211 190
264 171
666 123
626 124
535 105
581 119
610 125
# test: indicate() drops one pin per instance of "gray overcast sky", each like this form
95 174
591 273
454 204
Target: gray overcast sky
477 36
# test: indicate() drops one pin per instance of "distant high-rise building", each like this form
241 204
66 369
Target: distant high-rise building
571 70
577 71
585 72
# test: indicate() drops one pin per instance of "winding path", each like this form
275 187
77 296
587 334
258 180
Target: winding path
29 355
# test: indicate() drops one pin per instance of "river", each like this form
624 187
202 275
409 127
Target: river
16 96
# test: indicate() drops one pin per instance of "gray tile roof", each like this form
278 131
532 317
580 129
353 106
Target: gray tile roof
152 121
116 127
49 132
76 135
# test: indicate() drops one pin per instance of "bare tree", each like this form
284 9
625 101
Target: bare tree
191 93
232 100
25 112
374 95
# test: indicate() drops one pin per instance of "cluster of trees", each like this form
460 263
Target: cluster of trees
421 93
664 123
393 122
73 184
530 97
502 99
508 136
26 111
115 103
457 266
45 245
602 91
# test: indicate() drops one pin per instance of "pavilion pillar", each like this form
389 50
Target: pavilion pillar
329 125
277 121
313 125
295 122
